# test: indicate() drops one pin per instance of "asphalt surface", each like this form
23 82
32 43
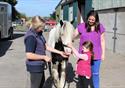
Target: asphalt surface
13 72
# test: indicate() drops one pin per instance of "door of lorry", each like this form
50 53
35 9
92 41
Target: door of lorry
3 21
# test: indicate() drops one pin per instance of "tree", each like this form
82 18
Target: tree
15 13
53 15
12 2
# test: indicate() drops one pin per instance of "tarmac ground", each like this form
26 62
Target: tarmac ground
13 72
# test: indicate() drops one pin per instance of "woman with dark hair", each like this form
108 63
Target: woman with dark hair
92 30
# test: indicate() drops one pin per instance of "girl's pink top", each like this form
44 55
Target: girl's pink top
84 66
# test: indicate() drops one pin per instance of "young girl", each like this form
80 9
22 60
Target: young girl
84 64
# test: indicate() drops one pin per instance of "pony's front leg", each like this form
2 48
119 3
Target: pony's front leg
55 75
63 75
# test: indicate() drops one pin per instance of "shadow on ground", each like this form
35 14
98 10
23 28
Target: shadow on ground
4 46
6 43
48 82
18 35
70 77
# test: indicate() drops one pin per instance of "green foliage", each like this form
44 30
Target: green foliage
12 2
53 15
15 13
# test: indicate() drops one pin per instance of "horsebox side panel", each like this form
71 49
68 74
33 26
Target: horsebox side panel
9 16
5 23
1 24
3 20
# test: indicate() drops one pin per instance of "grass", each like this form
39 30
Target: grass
21 28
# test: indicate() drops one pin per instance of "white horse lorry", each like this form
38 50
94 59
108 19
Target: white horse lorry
6 29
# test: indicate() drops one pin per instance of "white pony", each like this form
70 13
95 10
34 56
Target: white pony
59 36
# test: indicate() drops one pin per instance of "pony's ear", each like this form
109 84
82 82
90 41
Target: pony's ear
72 21
61 23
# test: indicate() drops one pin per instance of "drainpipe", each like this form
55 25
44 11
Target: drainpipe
115 29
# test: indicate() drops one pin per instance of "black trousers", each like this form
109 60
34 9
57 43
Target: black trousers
83 82
37 80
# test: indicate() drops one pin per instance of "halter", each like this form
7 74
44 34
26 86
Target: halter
60 39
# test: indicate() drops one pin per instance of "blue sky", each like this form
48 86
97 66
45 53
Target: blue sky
36 7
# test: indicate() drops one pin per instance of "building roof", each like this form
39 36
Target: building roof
53 22
67 2
59 4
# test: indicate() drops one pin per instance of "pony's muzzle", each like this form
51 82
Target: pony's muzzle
67 50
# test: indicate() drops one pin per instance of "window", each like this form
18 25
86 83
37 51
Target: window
2 9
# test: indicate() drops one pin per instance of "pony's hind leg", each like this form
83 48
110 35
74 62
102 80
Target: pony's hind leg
55 75
63 75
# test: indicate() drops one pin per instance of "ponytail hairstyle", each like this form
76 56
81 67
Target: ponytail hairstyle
89 45
37 22
97 23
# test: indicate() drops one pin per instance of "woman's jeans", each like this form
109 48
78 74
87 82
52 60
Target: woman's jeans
95 73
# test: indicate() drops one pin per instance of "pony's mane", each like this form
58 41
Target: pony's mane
65 32
54 35
68 32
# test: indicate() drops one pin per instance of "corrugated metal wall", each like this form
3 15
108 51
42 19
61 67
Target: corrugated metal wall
106 4
113 20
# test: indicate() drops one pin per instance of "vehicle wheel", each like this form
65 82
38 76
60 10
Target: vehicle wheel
11 33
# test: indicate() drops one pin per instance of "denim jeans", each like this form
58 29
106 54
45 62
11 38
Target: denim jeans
95 73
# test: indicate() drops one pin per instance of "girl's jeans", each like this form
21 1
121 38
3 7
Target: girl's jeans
95 73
